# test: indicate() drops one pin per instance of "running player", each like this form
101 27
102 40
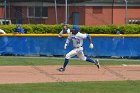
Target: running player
77 39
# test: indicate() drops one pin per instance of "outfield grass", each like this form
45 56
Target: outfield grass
77 87
11 61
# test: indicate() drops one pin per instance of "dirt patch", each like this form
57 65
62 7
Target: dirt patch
38 74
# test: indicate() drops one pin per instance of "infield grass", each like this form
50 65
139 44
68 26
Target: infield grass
24 61
74 87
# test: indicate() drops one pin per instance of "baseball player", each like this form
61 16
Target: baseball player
18 30
77 39
65 30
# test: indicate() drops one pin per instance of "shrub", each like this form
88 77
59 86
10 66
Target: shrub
44 29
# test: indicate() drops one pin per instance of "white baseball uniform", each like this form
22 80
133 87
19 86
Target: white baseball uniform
77 44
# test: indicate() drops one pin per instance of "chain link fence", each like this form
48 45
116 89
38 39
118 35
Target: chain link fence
82 12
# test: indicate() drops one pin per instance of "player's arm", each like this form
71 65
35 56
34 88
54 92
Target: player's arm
90 40
68 31
67 42
88 37
60 34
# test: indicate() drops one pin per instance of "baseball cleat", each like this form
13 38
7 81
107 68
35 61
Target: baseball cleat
97 63
61 69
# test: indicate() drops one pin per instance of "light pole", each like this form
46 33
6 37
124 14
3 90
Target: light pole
4 11
66 11
126 12
113 12
56 18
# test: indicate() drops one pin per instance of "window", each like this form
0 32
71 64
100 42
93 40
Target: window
45 13
38 12
31 11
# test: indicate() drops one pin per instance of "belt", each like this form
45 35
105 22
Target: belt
78 47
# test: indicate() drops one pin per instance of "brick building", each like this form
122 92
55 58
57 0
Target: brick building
83 12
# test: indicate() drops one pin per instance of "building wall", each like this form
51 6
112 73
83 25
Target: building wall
119 15
1 12
81 11
61 14
89 15
134 12
98 15
51 19
12 14
24 15
51 15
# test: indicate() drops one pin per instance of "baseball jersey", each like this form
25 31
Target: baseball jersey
77 39
19 30
67 31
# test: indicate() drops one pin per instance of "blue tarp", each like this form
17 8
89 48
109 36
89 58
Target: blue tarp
45 45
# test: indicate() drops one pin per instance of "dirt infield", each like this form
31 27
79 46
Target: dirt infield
38 74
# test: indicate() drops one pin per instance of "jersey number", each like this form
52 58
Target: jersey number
78 41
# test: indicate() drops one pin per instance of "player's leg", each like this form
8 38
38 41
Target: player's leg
84 58
66 61
96 62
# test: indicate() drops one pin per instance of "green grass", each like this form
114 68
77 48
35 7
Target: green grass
77 87
12 61
70 87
